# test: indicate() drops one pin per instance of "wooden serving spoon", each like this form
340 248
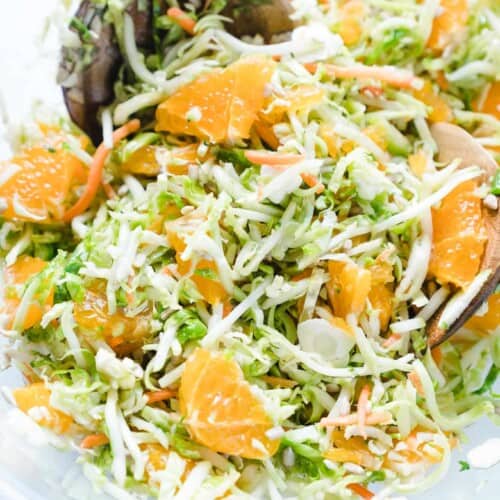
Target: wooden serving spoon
454 142
89 85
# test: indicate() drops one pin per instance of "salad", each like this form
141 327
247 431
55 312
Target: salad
228 297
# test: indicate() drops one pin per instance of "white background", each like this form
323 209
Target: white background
28 52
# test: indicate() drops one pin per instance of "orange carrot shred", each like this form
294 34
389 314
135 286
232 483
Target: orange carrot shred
163 395
437 355
226 308
96 169
271 158
391 340
393 76
312 181
278 381
93 441
108 190
364 396
182 19
417 383
360 490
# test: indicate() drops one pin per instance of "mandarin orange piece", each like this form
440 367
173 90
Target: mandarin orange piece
302 98
211 289
15 277
381 292
458 236
37 396
39 180
353 450
491 320
380 297
440 111
122 333
342 455
331 139
459 212
219 106
144 160
377 135
491 103
456 260
447 25
220 408
348 288
418 163
350 27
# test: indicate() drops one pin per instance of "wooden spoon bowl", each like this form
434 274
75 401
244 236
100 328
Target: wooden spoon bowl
88 86
454 142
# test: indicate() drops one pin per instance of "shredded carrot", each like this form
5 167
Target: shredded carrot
364 397
271 158
96 168
93 441
391 339
266 134
437 355
108 190
278 381
312 181
442 81
417 383
182 19
360 490
226 308
375 418
389 74
162 395
306 273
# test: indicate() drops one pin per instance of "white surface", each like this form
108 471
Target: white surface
27 65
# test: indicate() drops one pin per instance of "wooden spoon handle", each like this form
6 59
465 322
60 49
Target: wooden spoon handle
437 335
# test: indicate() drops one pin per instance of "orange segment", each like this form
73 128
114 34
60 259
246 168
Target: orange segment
459 212
377 135
332 141
491 103
122 333
458 236
36 397
457 259
450 21
221 105
489 321
380 297
220 408
144 162
211 289
302 98
39 180
351 16
381 293
15 277
353 450
440 111
418 163
348 288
